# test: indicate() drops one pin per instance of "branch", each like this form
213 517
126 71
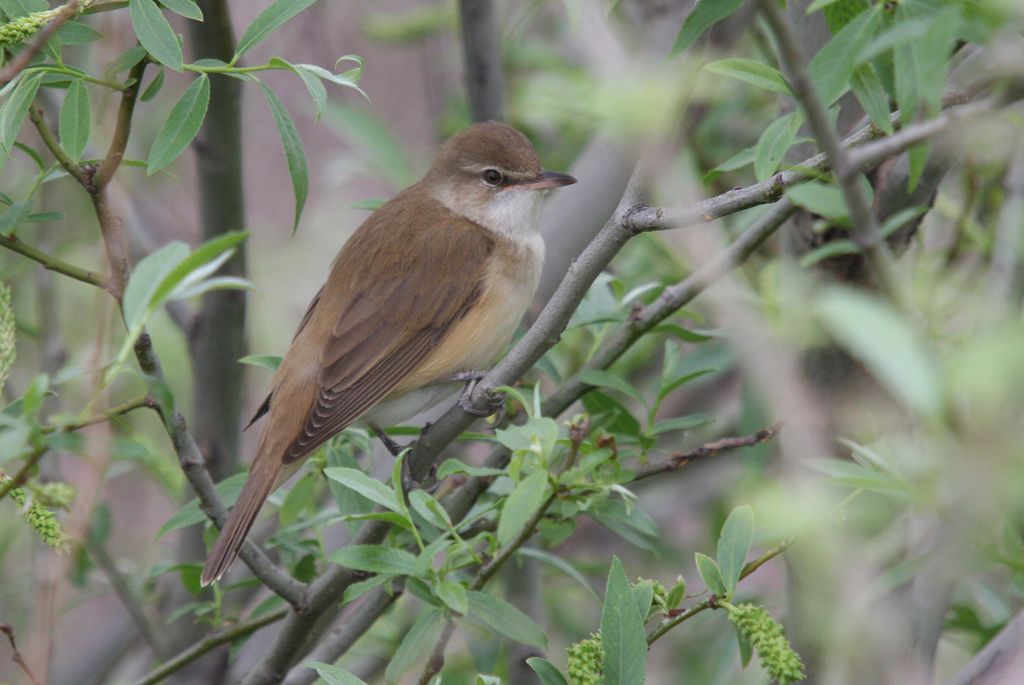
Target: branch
122 129
35 115
1001 660
341 639
481 57
24 58
192 466
208 643
710 449
710 603
865 226
113 412
16 657
19 478
14 244
124 593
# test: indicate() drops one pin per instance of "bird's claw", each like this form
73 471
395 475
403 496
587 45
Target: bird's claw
495 400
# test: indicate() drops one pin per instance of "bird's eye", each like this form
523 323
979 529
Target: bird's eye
492 177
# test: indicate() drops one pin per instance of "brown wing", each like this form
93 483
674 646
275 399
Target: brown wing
396 289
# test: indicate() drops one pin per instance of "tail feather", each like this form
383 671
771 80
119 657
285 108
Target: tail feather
257 487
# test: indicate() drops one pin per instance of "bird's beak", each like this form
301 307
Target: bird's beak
548 179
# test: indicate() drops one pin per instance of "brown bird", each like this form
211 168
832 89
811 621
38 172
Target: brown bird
431 286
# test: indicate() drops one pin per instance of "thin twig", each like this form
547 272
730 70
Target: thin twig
14 244
113 412
129 600
16 657
710 449
74 169
436 661
18 479
25 57
866 232
709 603
192 465
208 643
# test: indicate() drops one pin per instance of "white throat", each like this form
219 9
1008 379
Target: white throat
514 214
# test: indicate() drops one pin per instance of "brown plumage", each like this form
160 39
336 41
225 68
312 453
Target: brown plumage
426 287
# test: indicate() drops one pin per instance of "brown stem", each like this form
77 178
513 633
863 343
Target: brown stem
25 57
16 657
710 449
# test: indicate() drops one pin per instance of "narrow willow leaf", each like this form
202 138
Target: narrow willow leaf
155 33
606 379
734 545
560 564
703 16
154 87
752 72
182 125
622 632
382 559
146 279
368 487
521 505
506 619
832 248
294 154
15 109
415 645
833 66
185 8
871 95
334 675
710 574
821 199
453 594
75 122
276 15
546 671
887 344
774 143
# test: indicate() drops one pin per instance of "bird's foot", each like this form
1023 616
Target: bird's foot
495 400
393 447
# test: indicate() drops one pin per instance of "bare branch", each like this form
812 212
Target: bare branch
16 657
1001 661
14 244
221 637
113 412
710 449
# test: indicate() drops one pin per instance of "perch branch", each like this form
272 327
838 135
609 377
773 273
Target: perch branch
25 57
710 449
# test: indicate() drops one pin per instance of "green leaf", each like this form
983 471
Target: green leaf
453 594
75 123
382 559
315 86
546 671
623 421
622 632
415 646
774 143
181 126
734 545
704 15
605 379
917 157
884 341
430 509
506 619
741 159
822 199
334 675
453 466
126 60
871 95
15 109
746 649
560 564
538 435
854 475
710 574
643 595
681 423
276 15
521 505
370 488
832 248
185 8
270 362
752 72
155 33
298 498
190 514
293 151
154 87
145 280
832 68
15 215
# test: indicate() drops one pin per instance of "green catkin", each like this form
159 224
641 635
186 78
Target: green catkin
585 659
39 517
20 29
766 636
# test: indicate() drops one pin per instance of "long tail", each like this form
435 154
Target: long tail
257 487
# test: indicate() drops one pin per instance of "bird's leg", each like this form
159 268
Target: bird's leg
495 400
393 447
